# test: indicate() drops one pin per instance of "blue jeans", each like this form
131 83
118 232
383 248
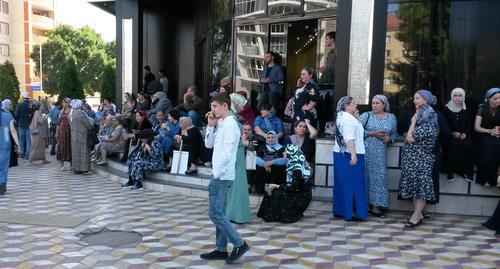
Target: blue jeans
217 197
25 142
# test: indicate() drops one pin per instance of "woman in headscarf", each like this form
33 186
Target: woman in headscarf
192 142
111 143
38 123
349 190
166 135
7 107
457 151
141 122
487 124
380 129
238 202
80 124
270 163
149 158
304 137
63 135
8 134
417 158
287 202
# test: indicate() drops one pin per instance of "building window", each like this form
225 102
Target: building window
388 39
314 5
4 50
4 7
387 53
249 8
4 28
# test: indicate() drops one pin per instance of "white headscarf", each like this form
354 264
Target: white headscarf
454 107
75 104
6 104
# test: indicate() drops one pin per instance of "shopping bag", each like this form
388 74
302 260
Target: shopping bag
251 160
179 161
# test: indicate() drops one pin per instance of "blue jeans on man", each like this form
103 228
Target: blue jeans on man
25 142
224 231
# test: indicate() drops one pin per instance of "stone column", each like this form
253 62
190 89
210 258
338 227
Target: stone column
360 48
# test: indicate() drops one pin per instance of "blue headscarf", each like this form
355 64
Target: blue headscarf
276 146
296 161
490 93
428 96
385 101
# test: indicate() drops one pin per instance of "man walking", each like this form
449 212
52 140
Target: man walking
225 142
23 117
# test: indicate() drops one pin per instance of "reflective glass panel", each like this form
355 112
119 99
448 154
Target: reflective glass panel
310 5
277 7
251 45
249 8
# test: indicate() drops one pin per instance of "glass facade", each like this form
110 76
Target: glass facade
221 41
440 45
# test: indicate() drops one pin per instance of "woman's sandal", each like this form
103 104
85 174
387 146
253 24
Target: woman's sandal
409 224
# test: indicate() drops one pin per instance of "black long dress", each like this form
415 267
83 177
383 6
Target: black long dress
493 222
489 147
456 152
287 204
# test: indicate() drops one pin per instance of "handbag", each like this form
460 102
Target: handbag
251 160
179 161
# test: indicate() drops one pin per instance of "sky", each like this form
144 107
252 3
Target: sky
79 13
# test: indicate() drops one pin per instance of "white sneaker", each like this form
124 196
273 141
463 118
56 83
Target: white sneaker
63 168
208 164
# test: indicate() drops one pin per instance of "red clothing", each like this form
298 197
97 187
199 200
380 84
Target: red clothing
246 115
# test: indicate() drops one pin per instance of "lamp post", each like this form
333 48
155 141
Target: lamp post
41 68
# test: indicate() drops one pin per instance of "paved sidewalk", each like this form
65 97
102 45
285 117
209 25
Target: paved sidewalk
176 230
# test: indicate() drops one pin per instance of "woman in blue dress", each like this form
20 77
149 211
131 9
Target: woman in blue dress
417 158
6 130
349 190
148 157
380 129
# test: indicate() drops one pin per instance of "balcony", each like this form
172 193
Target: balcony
42 22
45 5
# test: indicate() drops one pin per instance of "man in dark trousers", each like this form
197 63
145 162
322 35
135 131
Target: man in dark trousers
23 116
148 77
272 80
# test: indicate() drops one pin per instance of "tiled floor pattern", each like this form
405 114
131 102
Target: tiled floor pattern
176 230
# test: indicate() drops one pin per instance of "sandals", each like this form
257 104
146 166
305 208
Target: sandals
409 224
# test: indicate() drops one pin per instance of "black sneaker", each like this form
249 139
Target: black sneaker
450 177
214 255
193 172
137 186
237 253
129 183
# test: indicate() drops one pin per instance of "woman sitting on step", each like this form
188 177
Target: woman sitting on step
148 157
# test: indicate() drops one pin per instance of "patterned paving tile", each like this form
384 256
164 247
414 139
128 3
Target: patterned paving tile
177 229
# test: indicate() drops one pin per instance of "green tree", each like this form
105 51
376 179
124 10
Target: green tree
108 82
70 85
84 45
9 84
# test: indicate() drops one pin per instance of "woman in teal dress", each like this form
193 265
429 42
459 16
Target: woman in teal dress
238 202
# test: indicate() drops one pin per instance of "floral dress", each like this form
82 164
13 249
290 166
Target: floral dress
63 137
377 184
143 161
417 162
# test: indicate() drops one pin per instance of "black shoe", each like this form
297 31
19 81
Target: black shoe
168 169
214 255
193 172
237 253
129 183
468 178
137 186
3 188
450 177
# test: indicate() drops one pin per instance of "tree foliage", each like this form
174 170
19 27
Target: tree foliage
9 84
108 82
84 45
70 85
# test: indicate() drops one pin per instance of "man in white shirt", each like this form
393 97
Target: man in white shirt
224 140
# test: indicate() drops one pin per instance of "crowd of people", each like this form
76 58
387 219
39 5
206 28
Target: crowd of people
271 159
